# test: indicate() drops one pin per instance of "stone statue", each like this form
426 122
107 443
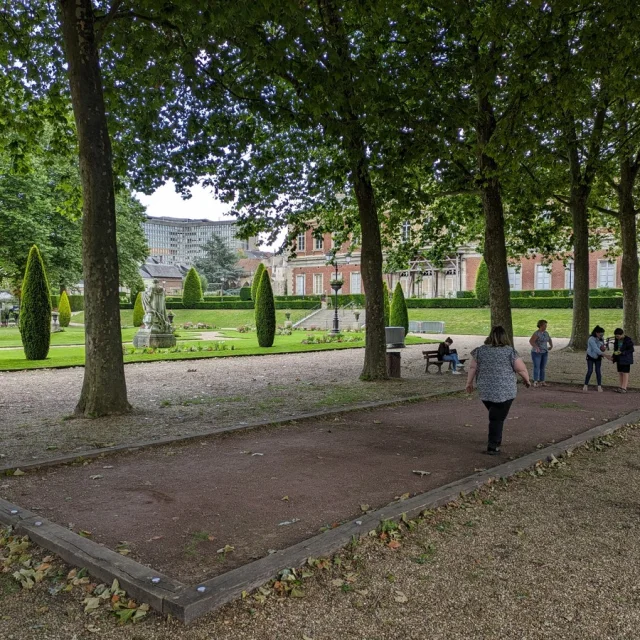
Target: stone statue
155 310
155 331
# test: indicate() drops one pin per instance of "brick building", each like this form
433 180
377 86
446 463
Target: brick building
311 274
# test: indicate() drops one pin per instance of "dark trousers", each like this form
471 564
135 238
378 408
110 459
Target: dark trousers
591 363
498 412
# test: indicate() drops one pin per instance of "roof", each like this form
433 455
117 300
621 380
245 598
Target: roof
160 271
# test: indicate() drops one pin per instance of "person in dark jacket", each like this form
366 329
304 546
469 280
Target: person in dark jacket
446 355
623 357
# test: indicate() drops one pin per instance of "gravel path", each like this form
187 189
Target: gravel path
174 398
551 556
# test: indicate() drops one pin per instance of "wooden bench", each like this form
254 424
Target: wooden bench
431 359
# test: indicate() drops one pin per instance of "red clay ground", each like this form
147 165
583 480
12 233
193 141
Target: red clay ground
176 506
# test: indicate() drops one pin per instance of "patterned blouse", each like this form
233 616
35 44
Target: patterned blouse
495 375
542 340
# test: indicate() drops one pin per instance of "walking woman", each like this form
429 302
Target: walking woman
595 353
494 367
623 357
541 344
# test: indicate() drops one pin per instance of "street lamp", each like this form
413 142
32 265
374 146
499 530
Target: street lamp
336 285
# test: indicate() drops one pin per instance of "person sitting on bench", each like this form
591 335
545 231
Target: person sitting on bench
446 355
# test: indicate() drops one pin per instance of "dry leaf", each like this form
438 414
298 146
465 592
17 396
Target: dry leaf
285 499
394 544
400 597
421 473
17 472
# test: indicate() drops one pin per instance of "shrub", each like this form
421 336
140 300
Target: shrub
64 310
35 309
399 316
387 308
256 281
482 284
442 303
55 301
138 311
192 291
245 293
76 302
465 294
265 311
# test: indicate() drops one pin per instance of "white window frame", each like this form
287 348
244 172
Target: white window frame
301 277
319 244
318 284
353 279
515 278
608 269
406 231
301 242
546 270
569 275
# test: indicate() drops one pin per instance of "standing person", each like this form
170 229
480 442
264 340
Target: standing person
493 367
595 353
541 344
446 355
623 357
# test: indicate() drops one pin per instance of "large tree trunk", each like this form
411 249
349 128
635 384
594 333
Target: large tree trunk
580 221
375 367
629 241
104 388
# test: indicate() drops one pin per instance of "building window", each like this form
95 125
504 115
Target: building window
356 283
318 284
300 285
568 275
319 244
543 276
300 242
606 274
515 278
406 231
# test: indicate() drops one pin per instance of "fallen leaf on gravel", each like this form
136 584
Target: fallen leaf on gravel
338 582
285 499
257 454
52 447
421 473
377 422
404 496
91 604
394 544
468 425
123 549
287 522
17 472
93 629
85 534
306 637
400 597
226 549
155 538
296 593
96 477
108 466
364 508
480 469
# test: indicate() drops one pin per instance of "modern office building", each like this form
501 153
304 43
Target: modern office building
180 241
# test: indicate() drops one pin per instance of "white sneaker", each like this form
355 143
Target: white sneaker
600 389
456 373
585 388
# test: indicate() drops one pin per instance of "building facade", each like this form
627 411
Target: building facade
178 241
310 272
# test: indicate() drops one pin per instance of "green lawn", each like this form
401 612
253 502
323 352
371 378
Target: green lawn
242 344
227 318
10 336
476 321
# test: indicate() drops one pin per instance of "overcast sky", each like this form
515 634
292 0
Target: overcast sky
202 204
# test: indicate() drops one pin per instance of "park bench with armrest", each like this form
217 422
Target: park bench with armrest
431 359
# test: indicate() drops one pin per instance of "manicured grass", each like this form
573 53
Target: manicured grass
10 336
245 344
477 321
227 318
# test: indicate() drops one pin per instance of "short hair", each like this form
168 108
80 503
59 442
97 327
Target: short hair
449 340
541 322
498 337
597 329
618 332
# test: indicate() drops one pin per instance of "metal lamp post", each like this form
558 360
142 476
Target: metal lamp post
336 285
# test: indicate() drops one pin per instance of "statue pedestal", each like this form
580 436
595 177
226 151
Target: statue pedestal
154 340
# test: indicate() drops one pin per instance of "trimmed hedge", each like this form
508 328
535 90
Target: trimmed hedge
64 310
241 304
399 317
265 312
138 311
35 309
465 294
386 305
256 281
192 289
442 303
245 293
565 293
310 297
482 284
76 302
601 302
55 301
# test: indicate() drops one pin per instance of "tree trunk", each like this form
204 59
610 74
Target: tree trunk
375 367
629 241
104 388
580 221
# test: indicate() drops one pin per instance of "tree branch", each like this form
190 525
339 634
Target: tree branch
102 22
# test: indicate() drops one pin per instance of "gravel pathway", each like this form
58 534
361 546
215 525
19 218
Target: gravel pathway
550 556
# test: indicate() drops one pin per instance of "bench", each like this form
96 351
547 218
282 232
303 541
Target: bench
431 359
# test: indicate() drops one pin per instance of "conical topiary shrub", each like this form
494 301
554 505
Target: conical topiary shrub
399 316
265 311
257 276
482 284
35 309
138 311
64 310
387 307
192 289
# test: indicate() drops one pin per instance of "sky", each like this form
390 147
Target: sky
202 204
